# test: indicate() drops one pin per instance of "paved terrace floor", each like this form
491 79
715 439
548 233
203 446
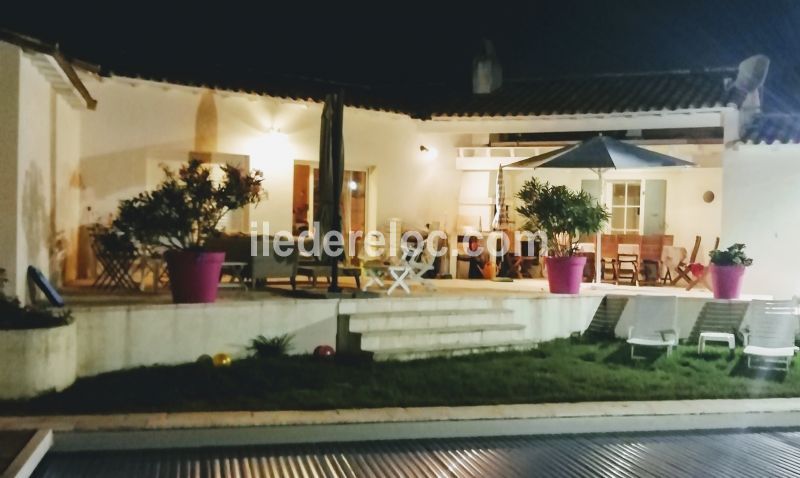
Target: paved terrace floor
713 453
84 295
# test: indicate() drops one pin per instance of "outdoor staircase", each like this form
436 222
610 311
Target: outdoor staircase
431 332
719 316
606 317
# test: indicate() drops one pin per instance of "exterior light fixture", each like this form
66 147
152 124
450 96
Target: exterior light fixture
428 153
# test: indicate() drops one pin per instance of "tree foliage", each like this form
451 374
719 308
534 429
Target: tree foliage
186 208
564 215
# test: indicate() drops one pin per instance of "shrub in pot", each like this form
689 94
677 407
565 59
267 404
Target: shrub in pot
727 269
564 216
181 214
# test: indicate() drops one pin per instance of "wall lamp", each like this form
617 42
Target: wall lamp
428 153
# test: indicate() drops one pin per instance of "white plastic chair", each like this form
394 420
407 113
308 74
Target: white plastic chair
770 333
656 323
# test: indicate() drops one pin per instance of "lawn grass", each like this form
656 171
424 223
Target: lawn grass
559 371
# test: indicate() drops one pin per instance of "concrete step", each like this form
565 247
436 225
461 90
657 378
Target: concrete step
443 337
427 319
384 304
452 350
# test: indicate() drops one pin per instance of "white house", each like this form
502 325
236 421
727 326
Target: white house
74 142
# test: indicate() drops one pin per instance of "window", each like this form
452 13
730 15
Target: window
305 199
626 207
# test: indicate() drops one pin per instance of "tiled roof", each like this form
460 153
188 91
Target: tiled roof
288 87
773 128
538 97
594 95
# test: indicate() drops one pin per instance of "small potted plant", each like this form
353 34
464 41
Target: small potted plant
181 214
564 216
727 270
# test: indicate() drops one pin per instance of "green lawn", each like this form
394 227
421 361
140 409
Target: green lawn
560 371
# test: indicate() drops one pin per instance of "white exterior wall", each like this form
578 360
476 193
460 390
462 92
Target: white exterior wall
9 139
762 199
34 180
38 154
66 190
135 124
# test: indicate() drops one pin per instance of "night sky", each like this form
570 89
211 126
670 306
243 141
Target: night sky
413 43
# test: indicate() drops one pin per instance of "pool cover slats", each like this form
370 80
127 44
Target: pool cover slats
718 453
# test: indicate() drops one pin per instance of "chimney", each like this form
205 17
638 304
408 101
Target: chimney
487 74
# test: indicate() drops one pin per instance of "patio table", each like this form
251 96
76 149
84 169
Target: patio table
116 268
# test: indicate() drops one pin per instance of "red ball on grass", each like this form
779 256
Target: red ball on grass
323 351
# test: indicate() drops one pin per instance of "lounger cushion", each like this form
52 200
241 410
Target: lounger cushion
652 342
770 351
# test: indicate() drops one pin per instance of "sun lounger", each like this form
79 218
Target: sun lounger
656 323
770 333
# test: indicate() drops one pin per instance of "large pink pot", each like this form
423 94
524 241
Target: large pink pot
194 276
564 274
726 281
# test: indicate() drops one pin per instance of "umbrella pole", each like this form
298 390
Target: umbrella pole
337 187
598 251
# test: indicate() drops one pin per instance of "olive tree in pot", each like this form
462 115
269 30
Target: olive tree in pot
727 270
564 216
181 214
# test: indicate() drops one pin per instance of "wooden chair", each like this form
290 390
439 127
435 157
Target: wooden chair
608 258
700 272
682 271
671 257
628 262
651 265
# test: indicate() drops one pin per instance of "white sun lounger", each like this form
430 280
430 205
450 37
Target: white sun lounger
770 332
656 323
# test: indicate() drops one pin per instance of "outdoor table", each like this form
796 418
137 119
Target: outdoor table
715 337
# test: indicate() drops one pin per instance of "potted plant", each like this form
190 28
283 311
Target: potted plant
564 216
39 345
181 214
727 269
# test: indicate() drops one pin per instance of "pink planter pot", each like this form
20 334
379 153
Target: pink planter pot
194 276
726 281
564 274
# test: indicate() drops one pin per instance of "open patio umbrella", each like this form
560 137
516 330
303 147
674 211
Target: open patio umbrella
500 220
331 175
600 154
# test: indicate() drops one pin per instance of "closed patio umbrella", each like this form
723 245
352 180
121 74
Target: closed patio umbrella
600 154
500 220
331 175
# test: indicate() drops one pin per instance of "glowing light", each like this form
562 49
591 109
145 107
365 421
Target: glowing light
352 185
276 143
